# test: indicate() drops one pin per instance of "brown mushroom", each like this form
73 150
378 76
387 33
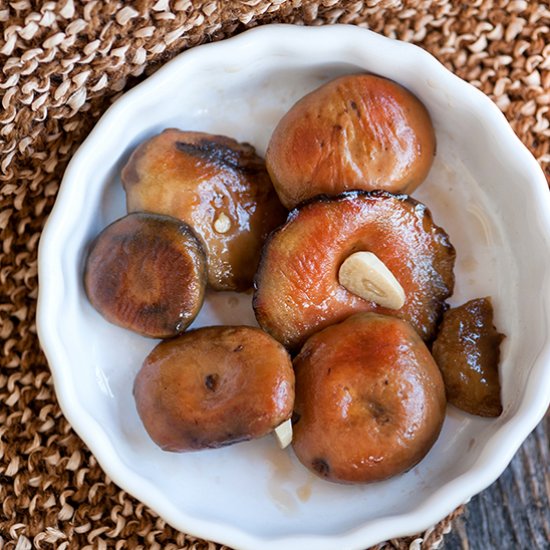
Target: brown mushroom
370 401
147 273
355 132
467 350
218 186
214 386
298 291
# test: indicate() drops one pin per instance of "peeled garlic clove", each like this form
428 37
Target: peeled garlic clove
365 275
283 433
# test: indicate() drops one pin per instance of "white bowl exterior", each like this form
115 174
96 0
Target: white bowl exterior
485 189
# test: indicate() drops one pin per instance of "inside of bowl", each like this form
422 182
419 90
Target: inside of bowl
469 194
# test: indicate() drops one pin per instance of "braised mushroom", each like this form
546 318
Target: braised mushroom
370 401
147 273
218 186
355 132
467 350
213 387
299 289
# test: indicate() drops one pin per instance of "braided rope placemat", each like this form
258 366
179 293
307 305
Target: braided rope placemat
61 65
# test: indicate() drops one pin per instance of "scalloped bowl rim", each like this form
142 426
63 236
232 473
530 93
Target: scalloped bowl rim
498 450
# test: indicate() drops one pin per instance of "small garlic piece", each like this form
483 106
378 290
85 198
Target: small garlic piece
283 433
365 275
222 224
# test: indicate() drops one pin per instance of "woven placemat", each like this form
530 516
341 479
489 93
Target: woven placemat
62 64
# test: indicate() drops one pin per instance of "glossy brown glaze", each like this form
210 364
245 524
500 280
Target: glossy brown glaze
214 386
147 273
356 132
370 400
218 186
297 288
467 350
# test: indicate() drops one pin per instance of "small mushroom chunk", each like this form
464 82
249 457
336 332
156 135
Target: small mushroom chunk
467 350
219 187
311 273
370 400
356 132
214 386
147 273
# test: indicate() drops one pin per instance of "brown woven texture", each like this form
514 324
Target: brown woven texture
62 64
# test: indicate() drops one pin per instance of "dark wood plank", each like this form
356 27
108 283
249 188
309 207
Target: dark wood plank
514 512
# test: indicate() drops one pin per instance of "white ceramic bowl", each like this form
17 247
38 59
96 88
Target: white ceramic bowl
485 189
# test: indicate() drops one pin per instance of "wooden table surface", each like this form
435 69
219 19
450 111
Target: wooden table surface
514 512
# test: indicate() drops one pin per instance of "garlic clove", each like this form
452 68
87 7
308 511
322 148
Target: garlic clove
365 275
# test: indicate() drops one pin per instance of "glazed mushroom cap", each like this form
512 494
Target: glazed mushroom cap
213 387
297 288
370 400
147 273
467 350
218 186
355 132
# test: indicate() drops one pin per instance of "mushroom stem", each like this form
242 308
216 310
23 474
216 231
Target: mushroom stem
222 223
283 433
366 276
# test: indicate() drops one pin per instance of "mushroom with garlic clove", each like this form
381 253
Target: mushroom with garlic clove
298 291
